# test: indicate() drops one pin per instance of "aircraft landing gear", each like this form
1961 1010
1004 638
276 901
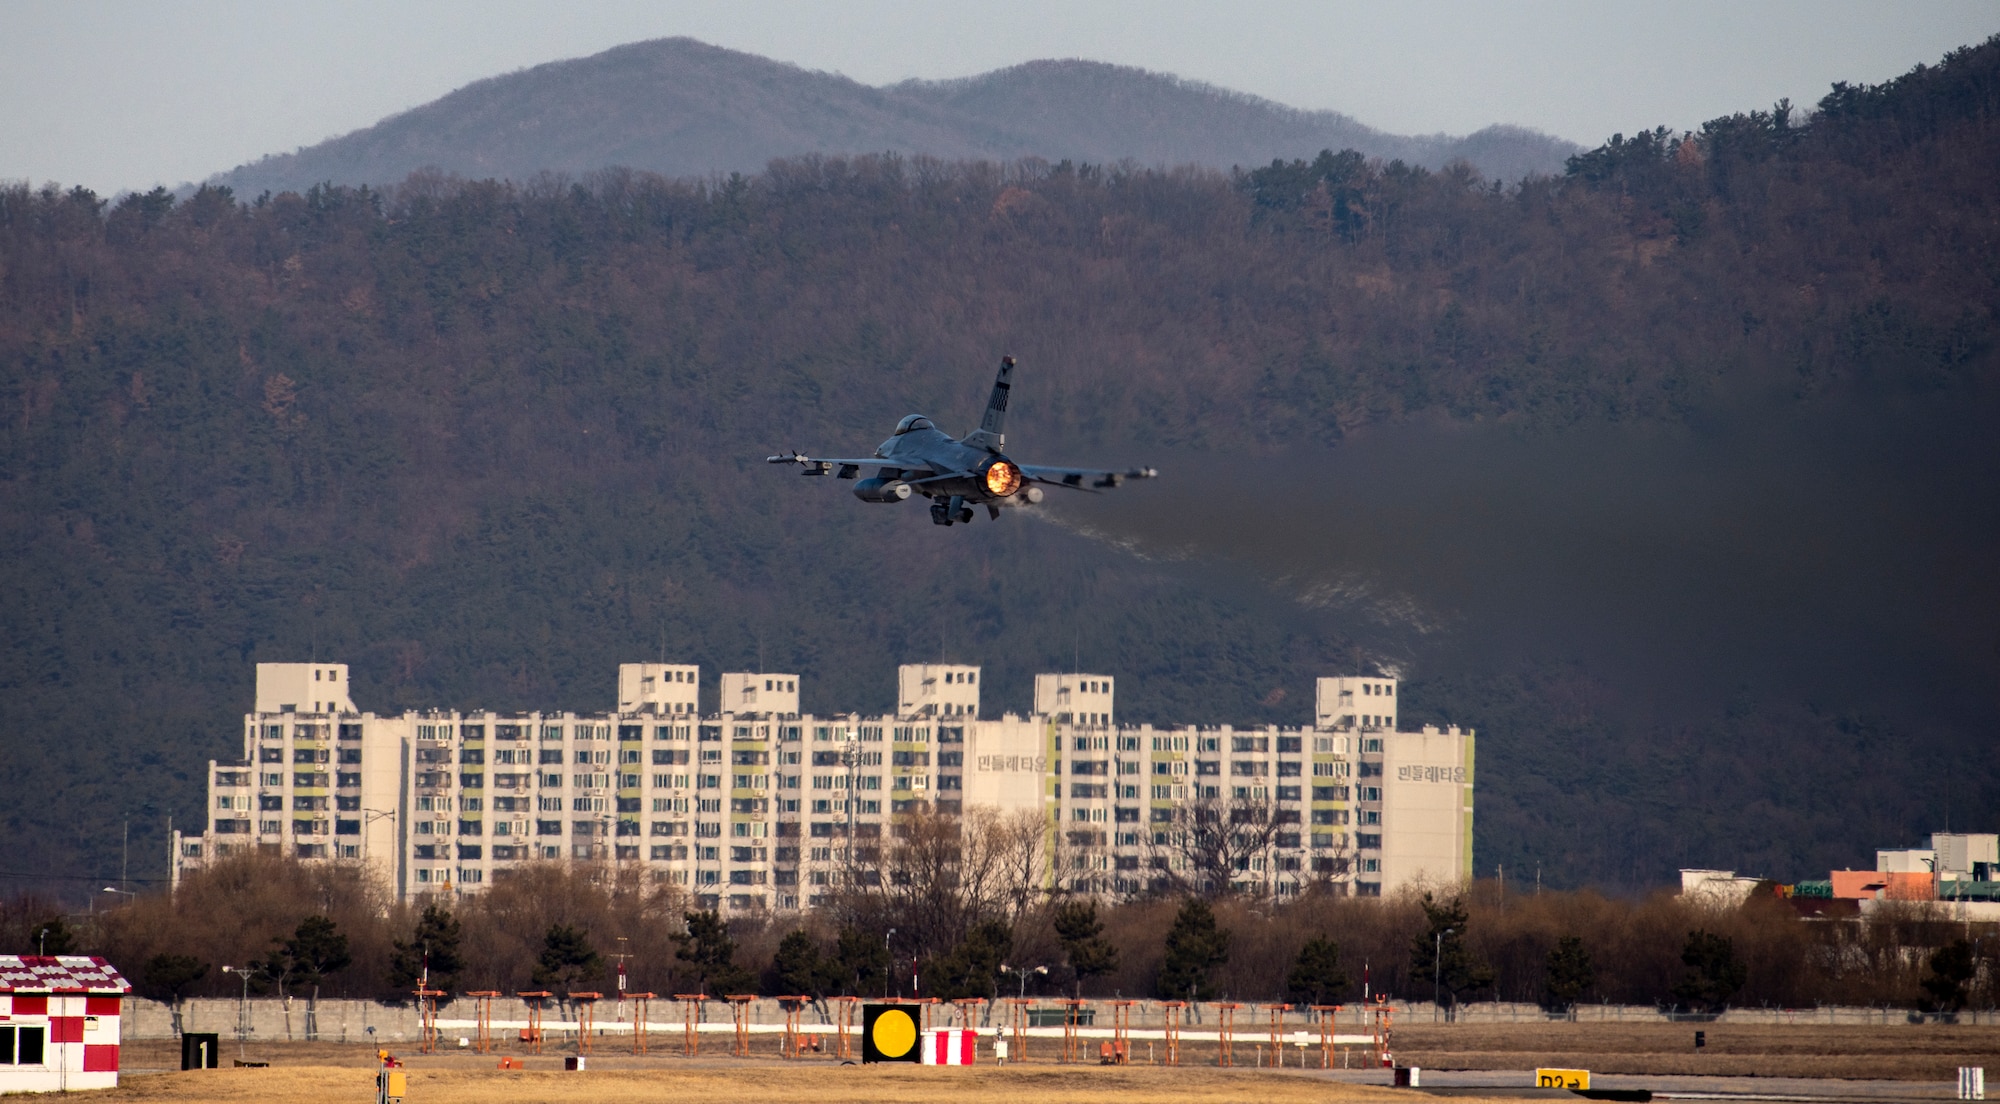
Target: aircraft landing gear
944 513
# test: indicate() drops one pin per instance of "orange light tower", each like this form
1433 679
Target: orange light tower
537 1003
640 1002
1174 1011
1225 1025
691 1013
586 1013
482 1018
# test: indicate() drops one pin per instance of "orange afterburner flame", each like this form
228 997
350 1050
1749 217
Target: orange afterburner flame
1003 478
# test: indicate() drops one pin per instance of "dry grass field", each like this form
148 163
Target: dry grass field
729 1083
1928 1052
327 1072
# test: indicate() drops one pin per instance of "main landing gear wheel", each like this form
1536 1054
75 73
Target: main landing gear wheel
944 513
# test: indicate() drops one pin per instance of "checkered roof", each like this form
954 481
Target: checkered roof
60 974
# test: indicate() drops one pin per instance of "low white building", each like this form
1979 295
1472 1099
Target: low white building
59 1017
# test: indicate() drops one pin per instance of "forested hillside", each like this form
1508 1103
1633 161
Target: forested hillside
485 441
685 108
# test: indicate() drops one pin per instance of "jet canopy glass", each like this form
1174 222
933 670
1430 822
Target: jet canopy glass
913 421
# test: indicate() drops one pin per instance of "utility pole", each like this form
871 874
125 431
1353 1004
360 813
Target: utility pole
621 956
242 1008
1437 973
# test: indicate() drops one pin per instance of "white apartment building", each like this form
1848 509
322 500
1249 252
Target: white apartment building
756 806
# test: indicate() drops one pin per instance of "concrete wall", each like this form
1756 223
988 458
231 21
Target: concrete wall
348 1020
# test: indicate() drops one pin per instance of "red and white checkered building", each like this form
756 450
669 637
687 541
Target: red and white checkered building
59 1023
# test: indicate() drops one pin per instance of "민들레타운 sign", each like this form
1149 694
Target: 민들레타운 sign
889 1034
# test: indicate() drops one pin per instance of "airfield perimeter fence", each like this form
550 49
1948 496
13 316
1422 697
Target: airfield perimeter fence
274 1020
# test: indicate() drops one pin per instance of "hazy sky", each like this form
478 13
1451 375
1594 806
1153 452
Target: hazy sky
118 95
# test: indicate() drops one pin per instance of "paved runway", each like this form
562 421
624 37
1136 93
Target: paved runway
1678 1087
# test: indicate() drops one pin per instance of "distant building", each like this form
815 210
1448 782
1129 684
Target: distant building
1718 888
755 805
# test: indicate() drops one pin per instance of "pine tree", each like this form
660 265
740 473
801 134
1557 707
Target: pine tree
798 968
862 961
1316 976
1568 975
1195 947
434 943
1714 973
1951 967
711 955
1441 958
1083 942
567 959
973 965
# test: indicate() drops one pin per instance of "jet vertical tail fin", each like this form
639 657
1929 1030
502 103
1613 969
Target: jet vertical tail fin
991 433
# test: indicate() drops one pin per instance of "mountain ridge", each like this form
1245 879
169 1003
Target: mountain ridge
680 107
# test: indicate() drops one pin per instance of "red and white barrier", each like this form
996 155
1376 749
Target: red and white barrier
951 1046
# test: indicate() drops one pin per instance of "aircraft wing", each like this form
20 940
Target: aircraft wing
822 465
1076 477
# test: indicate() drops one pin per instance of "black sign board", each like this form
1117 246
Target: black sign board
889 1033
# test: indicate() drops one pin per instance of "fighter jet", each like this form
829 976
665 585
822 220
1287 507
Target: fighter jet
957 475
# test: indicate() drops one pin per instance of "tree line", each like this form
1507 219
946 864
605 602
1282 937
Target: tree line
303 930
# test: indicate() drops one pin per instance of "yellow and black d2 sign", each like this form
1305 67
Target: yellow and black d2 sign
889 1034
1573 1079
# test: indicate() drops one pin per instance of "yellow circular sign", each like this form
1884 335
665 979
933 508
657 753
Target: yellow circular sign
895 1033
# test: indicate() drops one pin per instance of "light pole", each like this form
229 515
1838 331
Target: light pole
1437 972
242 1008
125 893
888 972
1022 972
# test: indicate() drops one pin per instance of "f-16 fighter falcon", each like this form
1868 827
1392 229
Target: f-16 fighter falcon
957 475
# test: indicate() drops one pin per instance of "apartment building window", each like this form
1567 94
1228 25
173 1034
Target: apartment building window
1247 744
548 827
1368 841
1370 793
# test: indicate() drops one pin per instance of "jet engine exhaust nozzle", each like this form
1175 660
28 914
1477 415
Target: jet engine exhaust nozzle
1002 478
